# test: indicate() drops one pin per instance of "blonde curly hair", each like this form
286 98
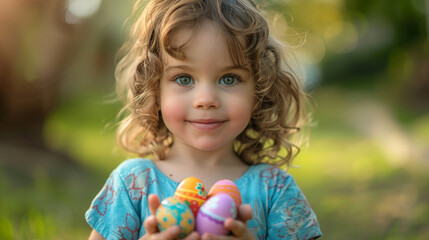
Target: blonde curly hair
280 109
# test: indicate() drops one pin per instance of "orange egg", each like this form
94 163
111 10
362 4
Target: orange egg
191 190
228 187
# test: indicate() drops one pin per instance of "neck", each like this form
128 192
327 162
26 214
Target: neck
190 156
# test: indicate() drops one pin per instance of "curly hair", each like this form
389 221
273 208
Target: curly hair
280 109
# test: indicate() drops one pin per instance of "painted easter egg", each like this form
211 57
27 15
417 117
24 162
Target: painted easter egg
213 213
172 212
228 187
191 190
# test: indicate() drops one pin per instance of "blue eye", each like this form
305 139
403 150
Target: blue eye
229 80
184 80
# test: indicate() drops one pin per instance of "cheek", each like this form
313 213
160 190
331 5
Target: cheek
241 110
172 110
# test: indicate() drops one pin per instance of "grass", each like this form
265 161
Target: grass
355 188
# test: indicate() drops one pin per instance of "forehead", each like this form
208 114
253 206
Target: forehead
206 37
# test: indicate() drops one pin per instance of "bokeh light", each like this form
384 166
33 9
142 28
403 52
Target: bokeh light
81 9
313 51
341 37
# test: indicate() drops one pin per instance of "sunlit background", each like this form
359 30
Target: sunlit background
365 170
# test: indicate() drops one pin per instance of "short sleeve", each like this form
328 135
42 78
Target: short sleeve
290 216
112 213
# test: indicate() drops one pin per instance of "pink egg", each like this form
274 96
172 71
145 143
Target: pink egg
228 187
214 212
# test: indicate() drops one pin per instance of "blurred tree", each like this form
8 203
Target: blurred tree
369 44
391 53
35 46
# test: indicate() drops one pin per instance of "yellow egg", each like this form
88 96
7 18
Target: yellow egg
172 212
191 190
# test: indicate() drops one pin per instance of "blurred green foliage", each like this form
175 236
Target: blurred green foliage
364 172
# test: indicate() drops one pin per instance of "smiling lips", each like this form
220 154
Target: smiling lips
206 124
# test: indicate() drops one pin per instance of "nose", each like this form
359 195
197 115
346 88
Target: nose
206 97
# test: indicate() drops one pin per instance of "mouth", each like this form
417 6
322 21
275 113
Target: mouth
206 124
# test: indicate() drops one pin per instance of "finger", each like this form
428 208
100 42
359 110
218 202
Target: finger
237 227
154 203
207 236
244 213
193 236
151 224
170 234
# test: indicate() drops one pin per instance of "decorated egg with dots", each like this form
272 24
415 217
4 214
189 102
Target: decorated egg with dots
228 187
214 212
191 190
172 212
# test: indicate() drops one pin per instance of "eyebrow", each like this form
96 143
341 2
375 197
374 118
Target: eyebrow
182 67
188 68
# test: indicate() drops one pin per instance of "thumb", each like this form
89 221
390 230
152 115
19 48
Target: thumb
153 201
244 213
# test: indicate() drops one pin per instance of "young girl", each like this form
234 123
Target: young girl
208 95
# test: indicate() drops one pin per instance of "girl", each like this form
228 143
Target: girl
207 96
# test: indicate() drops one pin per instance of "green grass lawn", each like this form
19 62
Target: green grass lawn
356 185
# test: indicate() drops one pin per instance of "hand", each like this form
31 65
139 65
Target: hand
151 225
237 226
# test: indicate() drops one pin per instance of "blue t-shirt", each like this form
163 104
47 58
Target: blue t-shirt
280 210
